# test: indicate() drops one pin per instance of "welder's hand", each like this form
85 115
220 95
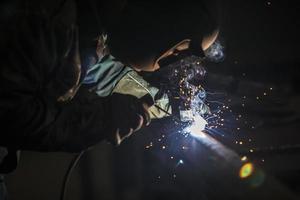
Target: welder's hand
128 114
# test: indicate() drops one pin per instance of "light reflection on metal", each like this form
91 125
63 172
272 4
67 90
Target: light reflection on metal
215 146
197 127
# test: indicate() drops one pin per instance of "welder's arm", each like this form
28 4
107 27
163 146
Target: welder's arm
39 123
88 119
42 125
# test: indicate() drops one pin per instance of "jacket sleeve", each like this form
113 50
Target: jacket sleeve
36 122
76 125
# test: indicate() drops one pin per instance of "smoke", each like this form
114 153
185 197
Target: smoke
215 52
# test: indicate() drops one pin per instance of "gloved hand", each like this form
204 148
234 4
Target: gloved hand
128 114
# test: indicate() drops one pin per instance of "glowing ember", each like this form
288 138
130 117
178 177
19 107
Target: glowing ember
244 158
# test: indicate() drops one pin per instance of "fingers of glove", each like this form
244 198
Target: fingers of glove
143 112
129 112
120 135
147 100
147 113
124 125
140 123
133 121
141 106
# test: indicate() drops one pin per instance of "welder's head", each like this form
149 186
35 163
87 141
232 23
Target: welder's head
185 48
149 33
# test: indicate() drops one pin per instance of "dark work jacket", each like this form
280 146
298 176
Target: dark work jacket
37 46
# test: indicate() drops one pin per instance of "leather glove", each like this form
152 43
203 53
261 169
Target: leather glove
127 115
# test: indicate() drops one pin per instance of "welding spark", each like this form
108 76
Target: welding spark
203 122
180 162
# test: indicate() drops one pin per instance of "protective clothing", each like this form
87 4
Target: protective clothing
39 64
39 76
110 76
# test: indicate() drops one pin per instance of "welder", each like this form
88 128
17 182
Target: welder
55 96
144 48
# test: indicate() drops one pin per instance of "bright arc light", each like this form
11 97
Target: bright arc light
197 127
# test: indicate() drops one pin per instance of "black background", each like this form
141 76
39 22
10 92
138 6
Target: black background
261 40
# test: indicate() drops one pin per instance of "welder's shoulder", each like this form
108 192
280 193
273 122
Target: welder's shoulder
25 22
33 43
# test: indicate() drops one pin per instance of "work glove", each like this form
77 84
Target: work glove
133 84
127 115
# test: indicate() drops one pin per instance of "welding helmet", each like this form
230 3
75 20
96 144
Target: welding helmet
140 37
194 49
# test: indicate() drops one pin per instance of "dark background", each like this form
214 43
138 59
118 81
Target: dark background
261 40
